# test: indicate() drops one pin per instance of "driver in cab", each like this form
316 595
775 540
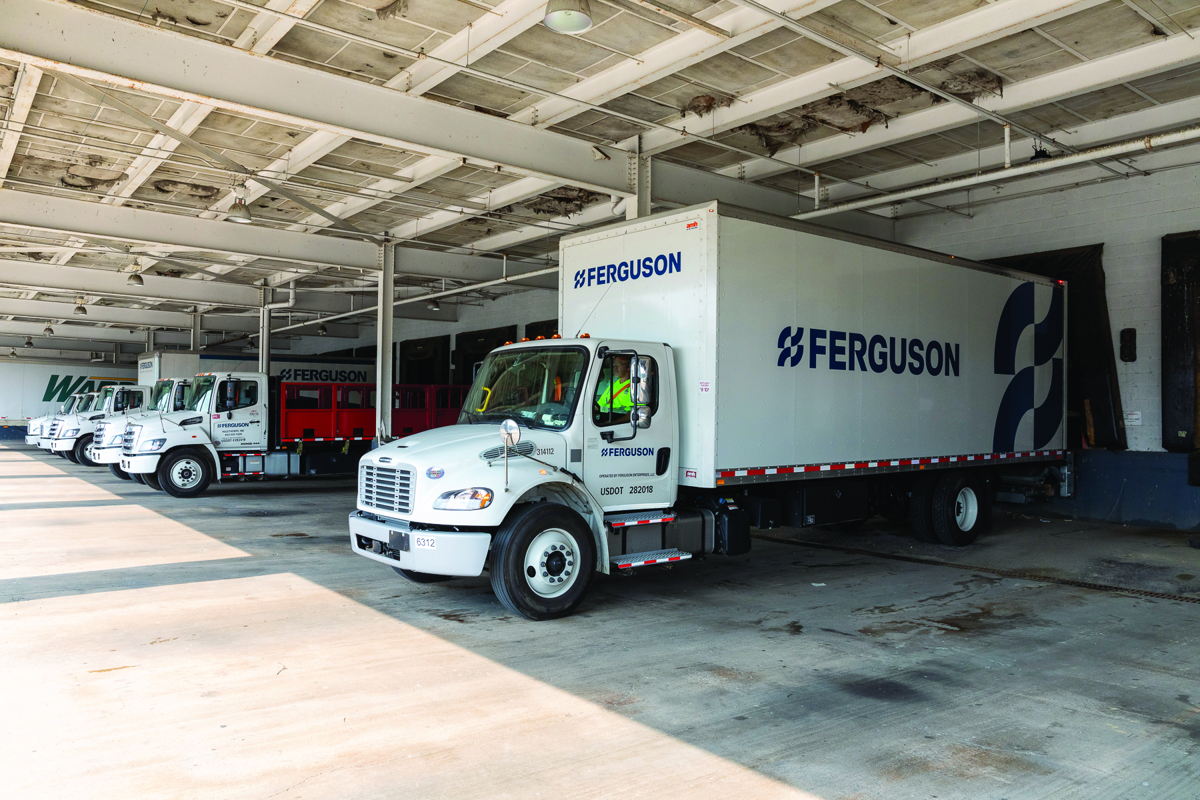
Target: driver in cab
615 394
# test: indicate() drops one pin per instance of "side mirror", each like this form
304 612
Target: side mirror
640 417
228 415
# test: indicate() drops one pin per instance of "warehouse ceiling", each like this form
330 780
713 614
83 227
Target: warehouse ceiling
872 96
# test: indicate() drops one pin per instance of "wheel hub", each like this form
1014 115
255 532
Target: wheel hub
550 562
185 474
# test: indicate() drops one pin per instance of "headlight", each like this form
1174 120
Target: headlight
464 499
117 438
152 444
71 434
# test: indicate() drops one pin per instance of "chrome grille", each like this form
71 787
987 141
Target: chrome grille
98 436
129 438
385 488
50 434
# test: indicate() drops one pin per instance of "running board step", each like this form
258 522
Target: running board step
638 518
649 558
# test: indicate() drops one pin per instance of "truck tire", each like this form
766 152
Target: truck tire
184 473
420 577
542 561
961 508
118 472
69 455
79 451
136 477
151 480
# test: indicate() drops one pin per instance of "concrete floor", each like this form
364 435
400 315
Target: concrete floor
231 647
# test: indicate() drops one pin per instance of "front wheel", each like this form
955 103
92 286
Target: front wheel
184 473
151 479
136 477
542 561
118 472
80 451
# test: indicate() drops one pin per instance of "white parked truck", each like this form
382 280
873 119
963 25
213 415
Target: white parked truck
75 432
83 402
38 426
725 370
231 428
167 395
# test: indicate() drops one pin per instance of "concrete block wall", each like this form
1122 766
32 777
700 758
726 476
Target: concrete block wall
1129 217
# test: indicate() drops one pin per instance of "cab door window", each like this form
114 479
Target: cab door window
232 395
625 381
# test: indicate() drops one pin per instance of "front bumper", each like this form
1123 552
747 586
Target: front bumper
434 552
33 440
44 442
106 455
62 445
140 464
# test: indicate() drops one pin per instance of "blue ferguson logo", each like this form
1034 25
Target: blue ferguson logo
1019 398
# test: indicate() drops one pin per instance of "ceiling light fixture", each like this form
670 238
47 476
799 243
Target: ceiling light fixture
29 341
135 279
47 331
322 330
79 309
239 211
434 305
12 353
568 16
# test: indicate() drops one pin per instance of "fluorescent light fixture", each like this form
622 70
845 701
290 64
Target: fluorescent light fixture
568 16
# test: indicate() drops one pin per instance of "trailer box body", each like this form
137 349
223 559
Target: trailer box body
801 351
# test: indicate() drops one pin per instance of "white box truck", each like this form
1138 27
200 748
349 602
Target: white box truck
725 370
167 395
81 403
39 426
74 432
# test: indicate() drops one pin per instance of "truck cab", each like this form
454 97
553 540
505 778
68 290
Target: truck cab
563 459
37 426
224 413
76 431
167 395
82 405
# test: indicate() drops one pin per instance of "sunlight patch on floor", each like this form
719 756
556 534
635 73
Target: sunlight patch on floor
250 687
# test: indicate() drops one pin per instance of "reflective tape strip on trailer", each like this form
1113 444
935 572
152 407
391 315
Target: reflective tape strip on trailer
648 562
885 463
333 439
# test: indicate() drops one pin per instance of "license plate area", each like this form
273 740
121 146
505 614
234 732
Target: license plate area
399 540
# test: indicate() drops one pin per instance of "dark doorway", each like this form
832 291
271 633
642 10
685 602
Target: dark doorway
1180 354
472 346
546 328
424 360
1094 415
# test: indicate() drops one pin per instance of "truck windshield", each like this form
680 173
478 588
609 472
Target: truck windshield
201 391
84 403
158 398
537 387
105 398
68 405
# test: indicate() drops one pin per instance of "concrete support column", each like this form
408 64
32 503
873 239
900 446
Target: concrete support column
383 342
150 340
264 333
195 336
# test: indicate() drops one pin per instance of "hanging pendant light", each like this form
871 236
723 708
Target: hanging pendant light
135 279
239 211
80 311
47 331
568 16
29 341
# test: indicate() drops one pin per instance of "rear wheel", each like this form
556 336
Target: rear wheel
69 455
920 503
542 561
420 577
136 477
80 451
118 472
151 480
184 473
961 509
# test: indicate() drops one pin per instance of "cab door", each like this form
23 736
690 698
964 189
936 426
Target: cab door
627 467
239 414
